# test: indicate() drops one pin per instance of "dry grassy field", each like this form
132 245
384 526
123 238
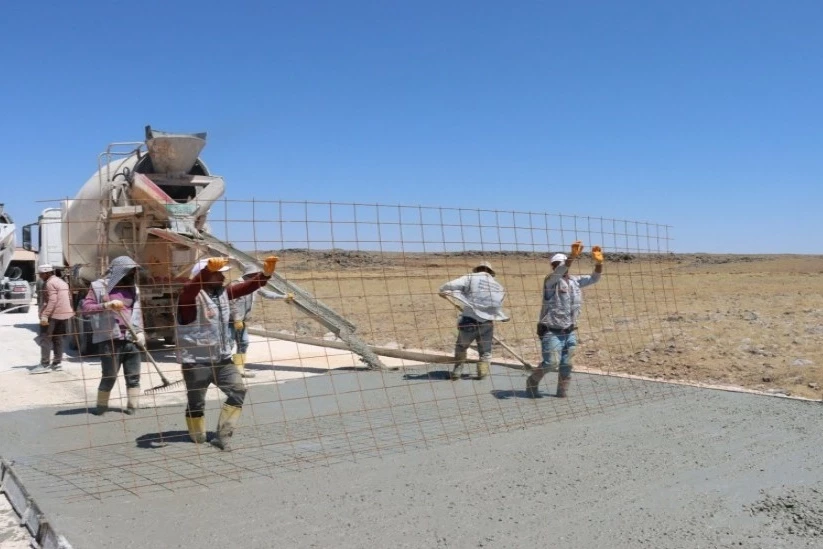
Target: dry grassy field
751 321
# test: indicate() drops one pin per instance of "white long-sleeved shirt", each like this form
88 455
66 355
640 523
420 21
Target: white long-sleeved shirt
481 295
563 298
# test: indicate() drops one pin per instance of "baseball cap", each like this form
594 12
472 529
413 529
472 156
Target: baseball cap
559 257
200 265
45 268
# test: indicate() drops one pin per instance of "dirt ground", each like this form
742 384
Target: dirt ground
753 321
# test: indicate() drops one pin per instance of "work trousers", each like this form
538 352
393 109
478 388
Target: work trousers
469 330
224 375
114 355
51 341
241 337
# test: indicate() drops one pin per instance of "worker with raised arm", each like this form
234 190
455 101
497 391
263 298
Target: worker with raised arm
111 302
240 311
205 344
562 303
482 299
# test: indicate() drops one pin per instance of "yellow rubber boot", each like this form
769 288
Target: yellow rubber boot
239 361
133 402
197 429
229 417
482 369
563 383
102 403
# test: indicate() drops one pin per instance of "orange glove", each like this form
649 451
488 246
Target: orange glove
577 249
239 325
289 297
114 305
44 321
597 254
269 264
216 263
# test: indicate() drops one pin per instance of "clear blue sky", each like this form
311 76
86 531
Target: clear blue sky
704 115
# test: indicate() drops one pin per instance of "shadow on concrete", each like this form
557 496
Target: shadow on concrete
303 369
78 411
30 326
437 375
160 440
507 394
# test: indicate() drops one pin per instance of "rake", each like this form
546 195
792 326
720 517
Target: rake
166 385
494 337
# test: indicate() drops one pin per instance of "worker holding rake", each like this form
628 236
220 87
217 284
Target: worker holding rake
482 299
113 305
562 303
205 344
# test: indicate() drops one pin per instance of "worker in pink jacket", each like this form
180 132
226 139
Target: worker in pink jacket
55 313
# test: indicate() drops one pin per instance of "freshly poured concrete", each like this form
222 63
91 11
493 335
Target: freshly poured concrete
408 459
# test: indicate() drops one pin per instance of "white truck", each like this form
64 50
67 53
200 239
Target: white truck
17 268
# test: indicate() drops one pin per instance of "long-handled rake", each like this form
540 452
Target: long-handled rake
166 384
494 337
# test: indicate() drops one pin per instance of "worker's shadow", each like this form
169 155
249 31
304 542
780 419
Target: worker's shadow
78 411
161 440
511 393
436 375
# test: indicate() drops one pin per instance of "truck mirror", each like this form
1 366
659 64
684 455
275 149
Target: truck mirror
27 238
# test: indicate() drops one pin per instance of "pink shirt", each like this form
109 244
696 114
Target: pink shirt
56 299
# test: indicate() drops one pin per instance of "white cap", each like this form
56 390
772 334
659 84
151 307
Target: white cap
45 268
484 265
200 265
559 257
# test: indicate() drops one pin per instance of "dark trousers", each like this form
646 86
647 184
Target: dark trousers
115 354
51 340
198 377
470 330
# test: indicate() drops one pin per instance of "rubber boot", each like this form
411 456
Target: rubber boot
102 403
133 402
229 416
458 366
482 369
533 385
197 429
239 361
563 383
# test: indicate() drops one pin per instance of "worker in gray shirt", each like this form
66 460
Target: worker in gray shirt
482 299
562 303
240 312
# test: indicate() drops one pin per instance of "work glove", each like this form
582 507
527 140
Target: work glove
114 305
597 254
239 325
44 321
289 297
269 264
141 339
214 264
577 249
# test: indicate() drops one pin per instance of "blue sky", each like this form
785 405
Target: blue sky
706 116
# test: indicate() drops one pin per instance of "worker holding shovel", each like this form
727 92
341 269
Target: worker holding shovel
482 299
113 304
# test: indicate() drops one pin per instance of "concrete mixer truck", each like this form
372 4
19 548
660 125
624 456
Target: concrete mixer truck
150 200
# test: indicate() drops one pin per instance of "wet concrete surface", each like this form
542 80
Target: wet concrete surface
408 459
